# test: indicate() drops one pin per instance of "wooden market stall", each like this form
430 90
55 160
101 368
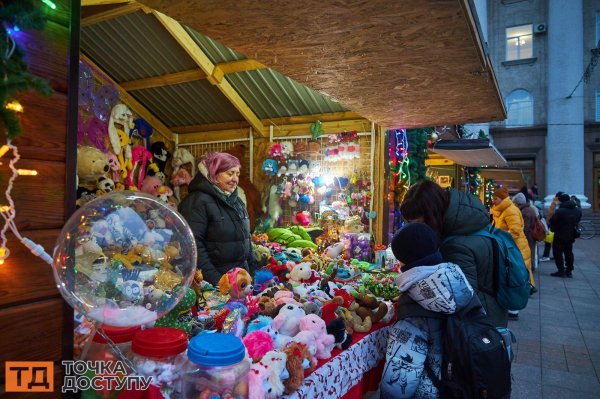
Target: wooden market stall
256 74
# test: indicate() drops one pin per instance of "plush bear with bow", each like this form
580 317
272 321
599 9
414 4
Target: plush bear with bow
316 325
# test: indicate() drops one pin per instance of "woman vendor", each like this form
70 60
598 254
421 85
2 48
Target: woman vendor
218 217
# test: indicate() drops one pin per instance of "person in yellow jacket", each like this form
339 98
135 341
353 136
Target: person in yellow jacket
509 218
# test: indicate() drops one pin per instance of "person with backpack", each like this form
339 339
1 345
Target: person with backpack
563 223
548 244
452 213
443 345
414 350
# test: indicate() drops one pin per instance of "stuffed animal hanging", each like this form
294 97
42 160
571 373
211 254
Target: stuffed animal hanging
140 157
182 157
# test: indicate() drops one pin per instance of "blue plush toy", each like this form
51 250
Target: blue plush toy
258 323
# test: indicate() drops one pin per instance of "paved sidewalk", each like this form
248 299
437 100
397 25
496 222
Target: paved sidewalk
558 334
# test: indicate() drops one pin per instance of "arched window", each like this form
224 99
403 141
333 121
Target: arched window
519 105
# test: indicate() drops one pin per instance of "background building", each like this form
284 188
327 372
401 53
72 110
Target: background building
544 53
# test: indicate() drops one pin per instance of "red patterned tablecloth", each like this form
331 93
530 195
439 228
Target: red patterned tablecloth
335 377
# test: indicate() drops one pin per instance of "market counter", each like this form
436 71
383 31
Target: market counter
348 373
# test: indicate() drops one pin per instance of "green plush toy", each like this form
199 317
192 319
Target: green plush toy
180 316
292 238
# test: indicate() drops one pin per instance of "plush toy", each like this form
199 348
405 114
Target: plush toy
369 306
180 316
150 185
258 323
337 328
143 130
302 273
258 343
261 255
263 279
287 321
284 296
91 164
237 283
311 308
280 340
298 360
140 157
160 155
334 250
325 342
267 306
274 208
182 157
181 178
114 166
124 155
104 185
265 377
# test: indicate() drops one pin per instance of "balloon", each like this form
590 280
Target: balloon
124 259
86 85
105 99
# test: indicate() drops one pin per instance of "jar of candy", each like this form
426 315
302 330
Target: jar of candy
100 350
159 353
218 368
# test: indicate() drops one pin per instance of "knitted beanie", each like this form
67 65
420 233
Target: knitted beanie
416 244
519 199
501 193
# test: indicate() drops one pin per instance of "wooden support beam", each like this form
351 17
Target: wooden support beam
164 80
110 14
86 3
214 75
292 120
240 66
135 104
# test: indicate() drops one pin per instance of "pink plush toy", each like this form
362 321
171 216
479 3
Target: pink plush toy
285 296
325 342
258 343
287 322
308 339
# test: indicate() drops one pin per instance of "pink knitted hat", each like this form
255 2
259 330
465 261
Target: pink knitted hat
217 162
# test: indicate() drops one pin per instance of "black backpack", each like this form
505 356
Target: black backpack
475 357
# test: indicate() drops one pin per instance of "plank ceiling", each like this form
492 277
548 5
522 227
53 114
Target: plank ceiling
403 63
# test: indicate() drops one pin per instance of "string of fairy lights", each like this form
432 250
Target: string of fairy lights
399 161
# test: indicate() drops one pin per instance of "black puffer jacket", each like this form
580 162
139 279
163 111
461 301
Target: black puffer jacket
221 228
474 254
564 220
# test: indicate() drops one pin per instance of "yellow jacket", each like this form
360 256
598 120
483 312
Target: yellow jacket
509 218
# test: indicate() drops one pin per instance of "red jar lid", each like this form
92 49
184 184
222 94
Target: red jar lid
160 342
117 334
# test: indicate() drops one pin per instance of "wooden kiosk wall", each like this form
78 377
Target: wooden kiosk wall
35 322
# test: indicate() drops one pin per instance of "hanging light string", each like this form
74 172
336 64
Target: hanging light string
9 212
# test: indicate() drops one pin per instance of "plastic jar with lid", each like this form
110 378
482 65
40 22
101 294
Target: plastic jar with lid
160 353
218 367
100 350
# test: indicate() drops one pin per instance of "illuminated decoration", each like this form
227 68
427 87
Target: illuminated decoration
14 74
472 180
8 211
14 106
399 160
417 142
488 193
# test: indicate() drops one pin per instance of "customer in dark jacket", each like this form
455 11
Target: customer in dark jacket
563 223
218 217
454 213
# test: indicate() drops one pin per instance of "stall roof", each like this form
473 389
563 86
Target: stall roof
475 153
400 64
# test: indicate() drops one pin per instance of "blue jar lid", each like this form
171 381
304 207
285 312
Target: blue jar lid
216 349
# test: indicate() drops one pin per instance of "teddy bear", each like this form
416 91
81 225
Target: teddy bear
368 306
104 185
261 254
91 164
325 342
287 320
298 360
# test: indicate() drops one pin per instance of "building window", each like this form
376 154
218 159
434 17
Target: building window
598 104
519 104
519 42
